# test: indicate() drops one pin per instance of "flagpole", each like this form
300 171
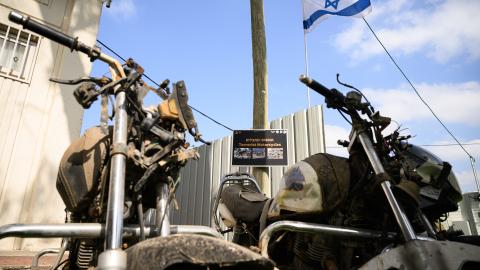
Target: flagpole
306 58
306 64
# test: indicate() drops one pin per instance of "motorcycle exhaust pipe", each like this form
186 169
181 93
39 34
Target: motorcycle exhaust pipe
304 227
93 230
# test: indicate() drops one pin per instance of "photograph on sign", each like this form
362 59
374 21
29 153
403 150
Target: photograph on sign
260 147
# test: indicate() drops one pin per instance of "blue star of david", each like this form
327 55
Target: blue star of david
331 3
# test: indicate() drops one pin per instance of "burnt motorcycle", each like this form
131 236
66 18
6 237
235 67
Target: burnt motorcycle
118 182
380 208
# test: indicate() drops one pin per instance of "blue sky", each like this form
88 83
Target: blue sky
208 44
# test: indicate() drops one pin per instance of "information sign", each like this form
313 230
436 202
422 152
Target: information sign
260 147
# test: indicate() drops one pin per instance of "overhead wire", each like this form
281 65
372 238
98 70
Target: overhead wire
158 85
226 127
425 145
472 159
415 89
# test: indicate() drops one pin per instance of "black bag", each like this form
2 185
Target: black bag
245 205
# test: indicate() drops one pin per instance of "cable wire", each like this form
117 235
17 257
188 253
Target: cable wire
426 145
449 144
415 89
215 121
151 80
472 159
111 50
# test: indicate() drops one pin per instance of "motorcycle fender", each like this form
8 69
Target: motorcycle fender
185 251
427 255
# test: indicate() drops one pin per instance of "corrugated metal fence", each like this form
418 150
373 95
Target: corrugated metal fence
200 178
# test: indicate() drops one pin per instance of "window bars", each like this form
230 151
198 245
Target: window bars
17 53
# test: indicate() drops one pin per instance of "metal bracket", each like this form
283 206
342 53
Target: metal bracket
119 148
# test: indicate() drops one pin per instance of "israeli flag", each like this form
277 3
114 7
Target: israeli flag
315 11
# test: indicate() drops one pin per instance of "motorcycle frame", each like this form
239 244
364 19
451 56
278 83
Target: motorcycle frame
402 220
94 230
113 257
359 132
113 230
406 228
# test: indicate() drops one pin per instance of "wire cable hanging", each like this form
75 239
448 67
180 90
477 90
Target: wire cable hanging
426 145
154 82
472 159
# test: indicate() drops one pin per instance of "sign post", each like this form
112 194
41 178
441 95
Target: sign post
260 85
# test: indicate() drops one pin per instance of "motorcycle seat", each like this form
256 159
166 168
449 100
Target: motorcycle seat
244 204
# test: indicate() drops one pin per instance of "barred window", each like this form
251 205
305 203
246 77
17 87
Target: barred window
17 53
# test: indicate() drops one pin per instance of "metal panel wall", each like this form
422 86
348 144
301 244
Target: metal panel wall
200 178
276 172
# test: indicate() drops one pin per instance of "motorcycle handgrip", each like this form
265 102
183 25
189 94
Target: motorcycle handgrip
48 32
316 86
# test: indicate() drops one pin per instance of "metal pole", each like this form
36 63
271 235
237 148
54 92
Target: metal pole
68 230
114 258
162 214
116 194
93 230
260 84
306 59
428 226
306 66
400 216
371 153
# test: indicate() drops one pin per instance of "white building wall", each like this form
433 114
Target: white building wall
467 217
470 207
39 119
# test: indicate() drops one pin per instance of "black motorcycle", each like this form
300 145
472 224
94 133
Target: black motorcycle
380 208
118 182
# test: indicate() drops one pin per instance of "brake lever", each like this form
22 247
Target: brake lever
203 141
198 137
98 81
86 94
111 84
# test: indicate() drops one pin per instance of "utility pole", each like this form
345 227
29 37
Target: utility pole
260 86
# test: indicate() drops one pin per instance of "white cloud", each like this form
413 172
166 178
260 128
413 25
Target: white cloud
332 135
121 9
455 153
444 29
452 102
466 181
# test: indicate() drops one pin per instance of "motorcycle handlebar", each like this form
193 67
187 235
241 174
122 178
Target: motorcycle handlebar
333 97
49 32
316 86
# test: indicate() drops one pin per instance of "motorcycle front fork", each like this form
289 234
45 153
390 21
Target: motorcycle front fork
400 216
114 257
162 222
